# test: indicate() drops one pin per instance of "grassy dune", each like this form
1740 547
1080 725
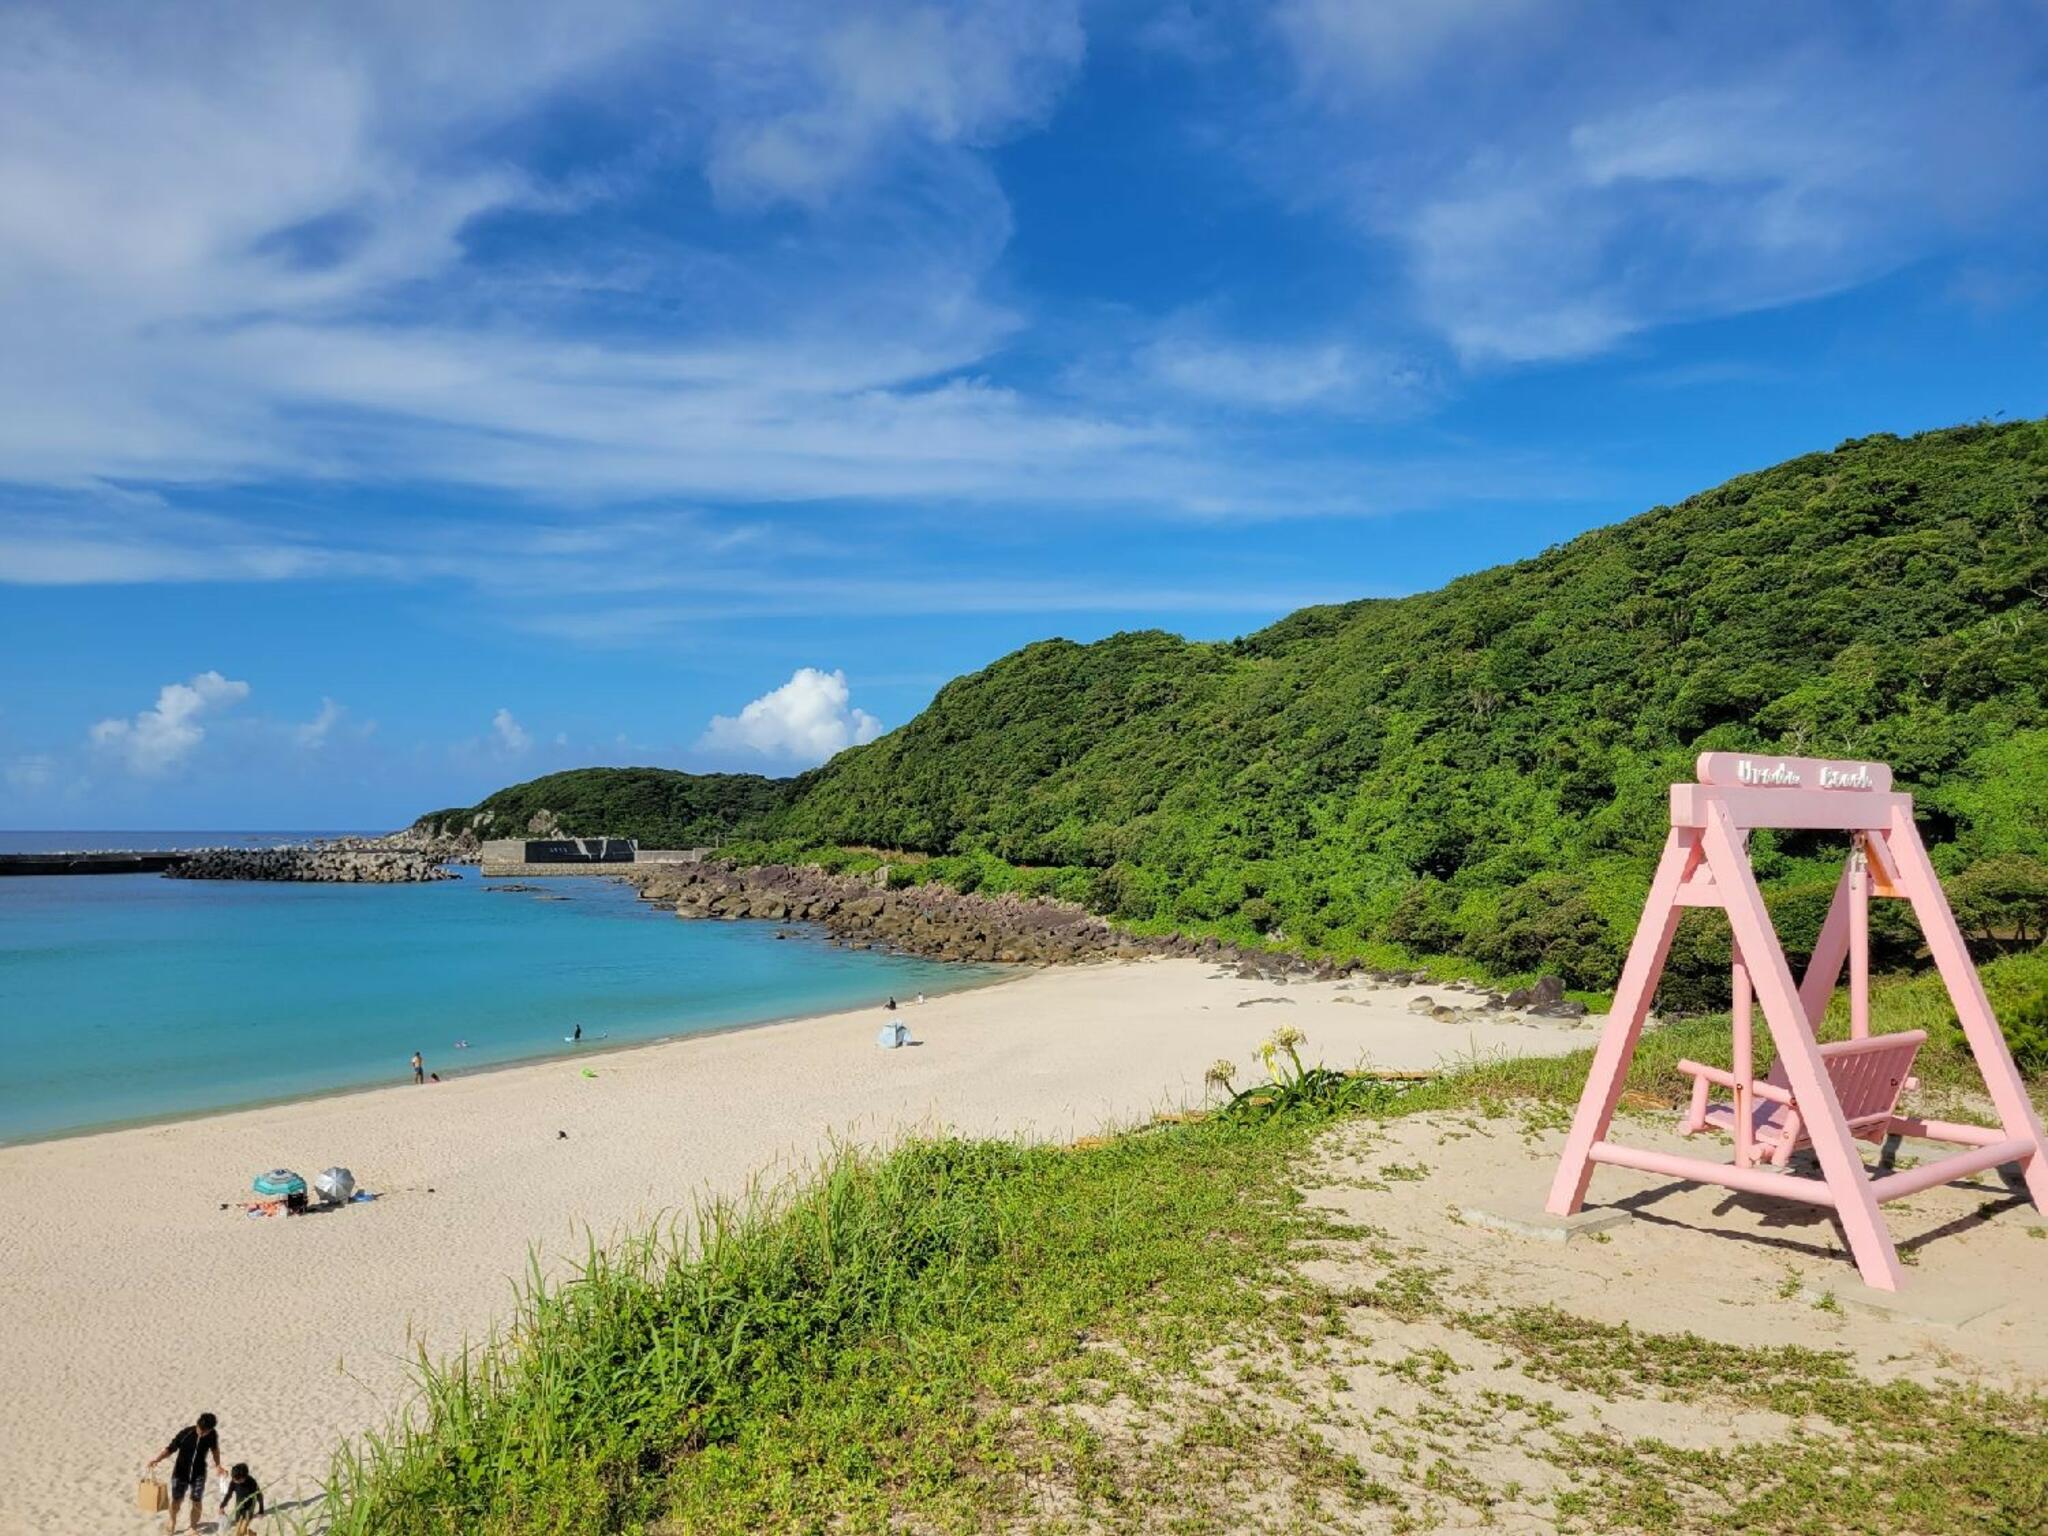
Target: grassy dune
944 1339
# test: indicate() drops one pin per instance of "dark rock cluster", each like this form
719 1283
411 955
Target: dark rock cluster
1546 1000
864 912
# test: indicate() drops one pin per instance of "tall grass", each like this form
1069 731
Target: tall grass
819 1357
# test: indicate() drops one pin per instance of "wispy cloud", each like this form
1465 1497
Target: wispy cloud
1562 178
313 734
31 773
512 737
244 245
1195 360
266 245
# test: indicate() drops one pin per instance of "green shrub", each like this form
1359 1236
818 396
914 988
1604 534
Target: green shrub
1260 913
1550 925
2025 1024
2002 902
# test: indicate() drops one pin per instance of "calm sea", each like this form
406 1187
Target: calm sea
128 997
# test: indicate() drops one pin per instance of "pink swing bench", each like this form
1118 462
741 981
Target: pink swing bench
1867 1075
1825 1098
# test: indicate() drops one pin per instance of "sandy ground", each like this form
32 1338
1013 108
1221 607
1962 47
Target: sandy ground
130 1299
1739 1269
1461 1427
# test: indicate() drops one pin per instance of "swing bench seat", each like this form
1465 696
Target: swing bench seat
1868 1076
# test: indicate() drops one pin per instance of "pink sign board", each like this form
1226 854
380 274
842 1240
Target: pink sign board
1762 770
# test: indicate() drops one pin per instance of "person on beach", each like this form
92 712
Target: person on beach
191 1447
890 1005
244 1500
419 1068
579 1031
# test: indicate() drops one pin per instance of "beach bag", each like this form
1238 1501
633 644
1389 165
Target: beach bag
151 1496
892 1035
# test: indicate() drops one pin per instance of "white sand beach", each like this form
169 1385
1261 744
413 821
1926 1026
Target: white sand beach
131 1300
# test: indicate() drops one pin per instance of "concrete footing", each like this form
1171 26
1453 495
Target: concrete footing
1528 1219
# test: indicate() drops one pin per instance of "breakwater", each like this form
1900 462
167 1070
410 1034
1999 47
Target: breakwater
149 863
395 859
332 864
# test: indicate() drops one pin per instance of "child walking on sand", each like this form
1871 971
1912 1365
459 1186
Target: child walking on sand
244 1500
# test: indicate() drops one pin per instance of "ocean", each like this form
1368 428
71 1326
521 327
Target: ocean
133 997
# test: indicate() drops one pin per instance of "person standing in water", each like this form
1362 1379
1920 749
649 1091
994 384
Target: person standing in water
579 1033
419 1068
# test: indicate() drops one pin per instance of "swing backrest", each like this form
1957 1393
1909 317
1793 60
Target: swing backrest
1868 1075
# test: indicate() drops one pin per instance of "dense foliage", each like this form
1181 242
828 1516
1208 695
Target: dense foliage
660 807
1482 769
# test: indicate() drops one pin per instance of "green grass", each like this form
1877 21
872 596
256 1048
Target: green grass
930 1341
832 1358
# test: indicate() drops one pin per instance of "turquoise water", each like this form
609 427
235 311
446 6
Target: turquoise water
125 997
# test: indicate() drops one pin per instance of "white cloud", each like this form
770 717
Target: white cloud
1562 177
1343 44
1193 359
158 739
314 732
803 722
235 246
815 116
512 736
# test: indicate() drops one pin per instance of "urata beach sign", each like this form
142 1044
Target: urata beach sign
1732 768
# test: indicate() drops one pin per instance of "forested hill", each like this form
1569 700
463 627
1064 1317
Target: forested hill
1482 768
658 806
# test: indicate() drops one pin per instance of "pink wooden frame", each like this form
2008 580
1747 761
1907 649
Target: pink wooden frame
1706 863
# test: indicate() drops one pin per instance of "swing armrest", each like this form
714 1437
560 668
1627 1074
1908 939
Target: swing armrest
1711 1074
1728 1080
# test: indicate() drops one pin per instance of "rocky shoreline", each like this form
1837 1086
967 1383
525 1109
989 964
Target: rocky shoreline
939 923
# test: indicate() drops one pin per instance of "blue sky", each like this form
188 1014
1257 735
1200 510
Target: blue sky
399 400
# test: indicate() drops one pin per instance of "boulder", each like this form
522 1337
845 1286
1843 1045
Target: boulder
1547 991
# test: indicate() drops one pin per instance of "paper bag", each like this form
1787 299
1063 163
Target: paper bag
151 1496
